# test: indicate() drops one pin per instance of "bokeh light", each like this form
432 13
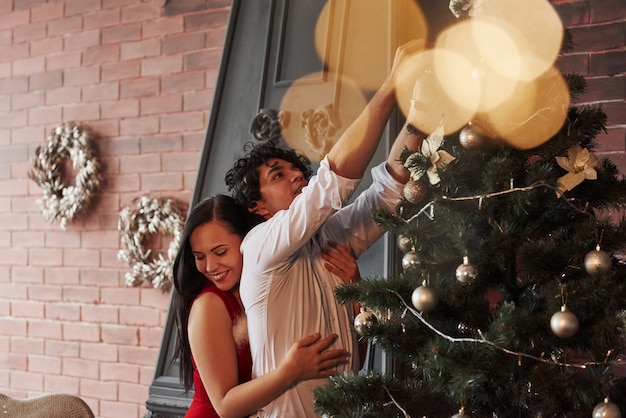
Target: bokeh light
459 78
534 113
494 69
489 78
534 26
424 100
318 108
365 34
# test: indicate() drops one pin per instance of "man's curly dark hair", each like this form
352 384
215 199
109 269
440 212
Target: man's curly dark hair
242 179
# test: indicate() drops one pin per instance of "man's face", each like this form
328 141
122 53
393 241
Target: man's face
280 183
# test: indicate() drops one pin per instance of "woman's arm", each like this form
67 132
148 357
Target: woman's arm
214 351
341 261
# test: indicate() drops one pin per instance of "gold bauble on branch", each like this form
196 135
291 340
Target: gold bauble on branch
472 137
415 191
424 298
598 262
564 324
606 409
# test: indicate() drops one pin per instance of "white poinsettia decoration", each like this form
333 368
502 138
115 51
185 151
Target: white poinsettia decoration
580 165
469 7
438 158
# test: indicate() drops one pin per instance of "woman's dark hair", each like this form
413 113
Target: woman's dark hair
242 179
188 281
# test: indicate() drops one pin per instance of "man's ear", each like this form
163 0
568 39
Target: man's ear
259 209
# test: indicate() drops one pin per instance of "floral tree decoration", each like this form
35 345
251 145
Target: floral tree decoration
62 202
430 150
149 216
580 165
469 7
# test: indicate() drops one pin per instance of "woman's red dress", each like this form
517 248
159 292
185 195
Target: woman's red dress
201 406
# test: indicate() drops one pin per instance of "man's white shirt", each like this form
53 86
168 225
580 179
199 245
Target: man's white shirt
285 288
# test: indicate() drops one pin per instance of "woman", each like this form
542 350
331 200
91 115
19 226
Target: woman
212 332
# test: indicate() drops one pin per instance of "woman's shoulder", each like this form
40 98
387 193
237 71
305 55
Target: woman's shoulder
210 297
210 288
210 292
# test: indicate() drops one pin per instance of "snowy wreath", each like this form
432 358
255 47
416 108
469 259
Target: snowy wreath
60 201
150 216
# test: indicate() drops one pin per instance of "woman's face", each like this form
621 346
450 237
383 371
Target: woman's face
217 254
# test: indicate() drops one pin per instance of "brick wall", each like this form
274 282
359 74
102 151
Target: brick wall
140 76
598 28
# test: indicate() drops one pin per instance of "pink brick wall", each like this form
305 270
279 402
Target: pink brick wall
598 28
142 81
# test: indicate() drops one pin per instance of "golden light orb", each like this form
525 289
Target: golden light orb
488 77
316 110
358 40
424 100
534 26
534 113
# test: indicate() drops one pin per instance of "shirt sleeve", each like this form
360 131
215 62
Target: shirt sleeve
274 242
354 224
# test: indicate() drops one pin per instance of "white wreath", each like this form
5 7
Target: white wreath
150 216
62 202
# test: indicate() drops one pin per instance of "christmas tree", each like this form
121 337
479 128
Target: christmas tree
512 293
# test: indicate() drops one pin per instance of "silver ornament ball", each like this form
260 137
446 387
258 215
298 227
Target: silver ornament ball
410 261
405 244
461 414
606 409
424 298
564 324
466 272
597 262
365 322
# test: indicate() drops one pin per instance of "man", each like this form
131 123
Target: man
286 291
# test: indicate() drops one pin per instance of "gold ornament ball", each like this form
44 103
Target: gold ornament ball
564 324
424 298
365 322
606 409
597 262
472 138
415 191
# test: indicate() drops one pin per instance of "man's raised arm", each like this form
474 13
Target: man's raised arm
352 153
